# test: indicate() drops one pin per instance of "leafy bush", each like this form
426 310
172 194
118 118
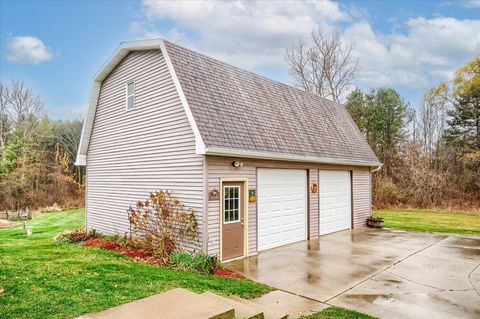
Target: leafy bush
161 225
76 236
200 262
386 192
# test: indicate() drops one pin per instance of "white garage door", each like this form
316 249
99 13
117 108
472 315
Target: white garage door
282 207
335 201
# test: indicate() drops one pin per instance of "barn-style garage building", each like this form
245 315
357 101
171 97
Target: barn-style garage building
262 163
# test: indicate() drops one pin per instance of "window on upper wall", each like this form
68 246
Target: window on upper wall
130 95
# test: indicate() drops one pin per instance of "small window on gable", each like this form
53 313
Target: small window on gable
130 95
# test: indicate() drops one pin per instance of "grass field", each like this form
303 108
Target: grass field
431 221
336 312
40 278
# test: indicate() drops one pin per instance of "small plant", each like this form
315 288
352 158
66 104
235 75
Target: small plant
76 236
182 260
161 225
200 262
206 264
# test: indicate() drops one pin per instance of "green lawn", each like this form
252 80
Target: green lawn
431 221
336 313
40 278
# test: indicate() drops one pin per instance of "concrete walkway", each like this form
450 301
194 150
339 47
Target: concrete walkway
179 303
388 274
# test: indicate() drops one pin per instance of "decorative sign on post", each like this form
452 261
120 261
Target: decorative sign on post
25 214
213 195
252 196
314 188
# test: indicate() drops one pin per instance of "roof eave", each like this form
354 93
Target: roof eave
217 151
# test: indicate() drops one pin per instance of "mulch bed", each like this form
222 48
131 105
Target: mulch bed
144 256
228 273
136 254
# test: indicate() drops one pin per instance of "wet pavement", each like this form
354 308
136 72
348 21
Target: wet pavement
385 273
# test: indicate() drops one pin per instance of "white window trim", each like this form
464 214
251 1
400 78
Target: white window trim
239 204
127 96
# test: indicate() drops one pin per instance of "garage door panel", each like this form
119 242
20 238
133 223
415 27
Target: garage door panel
282 207
335 201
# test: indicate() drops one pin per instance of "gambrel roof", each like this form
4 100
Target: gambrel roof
234 112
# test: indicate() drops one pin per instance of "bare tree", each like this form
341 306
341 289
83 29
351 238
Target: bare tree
22 107
432 120
324 65
4 119
68 133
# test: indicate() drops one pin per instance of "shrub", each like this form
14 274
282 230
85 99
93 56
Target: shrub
161 225
76 236
200 262
386 192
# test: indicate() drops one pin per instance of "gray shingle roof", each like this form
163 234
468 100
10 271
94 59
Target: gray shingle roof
239 110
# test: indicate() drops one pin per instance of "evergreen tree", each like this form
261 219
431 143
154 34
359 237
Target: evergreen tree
382 115
464 122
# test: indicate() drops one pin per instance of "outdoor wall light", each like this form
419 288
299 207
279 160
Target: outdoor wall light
237 164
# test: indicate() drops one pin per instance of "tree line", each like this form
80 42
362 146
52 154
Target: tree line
36 153
431 153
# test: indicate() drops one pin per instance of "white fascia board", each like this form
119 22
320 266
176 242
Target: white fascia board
88 124
121 52
199 144
285 157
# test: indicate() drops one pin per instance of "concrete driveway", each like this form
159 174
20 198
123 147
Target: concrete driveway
385 273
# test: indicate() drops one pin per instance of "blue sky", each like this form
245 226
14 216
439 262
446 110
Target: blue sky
57 46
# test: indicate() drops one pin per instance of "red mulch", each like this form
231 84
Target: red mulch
145 256
114 246
228 273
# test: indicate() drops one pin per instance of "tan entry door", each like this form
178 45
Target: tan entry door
233 214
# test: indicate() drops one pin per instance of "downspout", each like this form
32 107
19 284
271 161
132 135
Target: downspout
205 205
376 169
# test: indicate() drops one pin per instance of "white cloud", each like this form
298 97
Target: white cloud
251 34
472 4
428 51
417 53
28 50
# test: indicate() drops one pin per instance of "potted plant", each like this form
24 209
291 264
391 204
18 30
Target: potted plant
375 222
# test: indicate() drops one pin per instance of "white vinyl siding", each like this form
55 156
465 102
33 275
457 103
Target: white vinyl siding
362 199
219 167
147 149
313 205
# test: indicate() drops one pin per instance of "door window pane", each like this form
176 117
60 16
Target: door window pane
231 204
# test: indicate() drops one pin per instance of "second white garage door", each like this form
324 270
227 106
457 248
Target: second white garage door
282 207
335 201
